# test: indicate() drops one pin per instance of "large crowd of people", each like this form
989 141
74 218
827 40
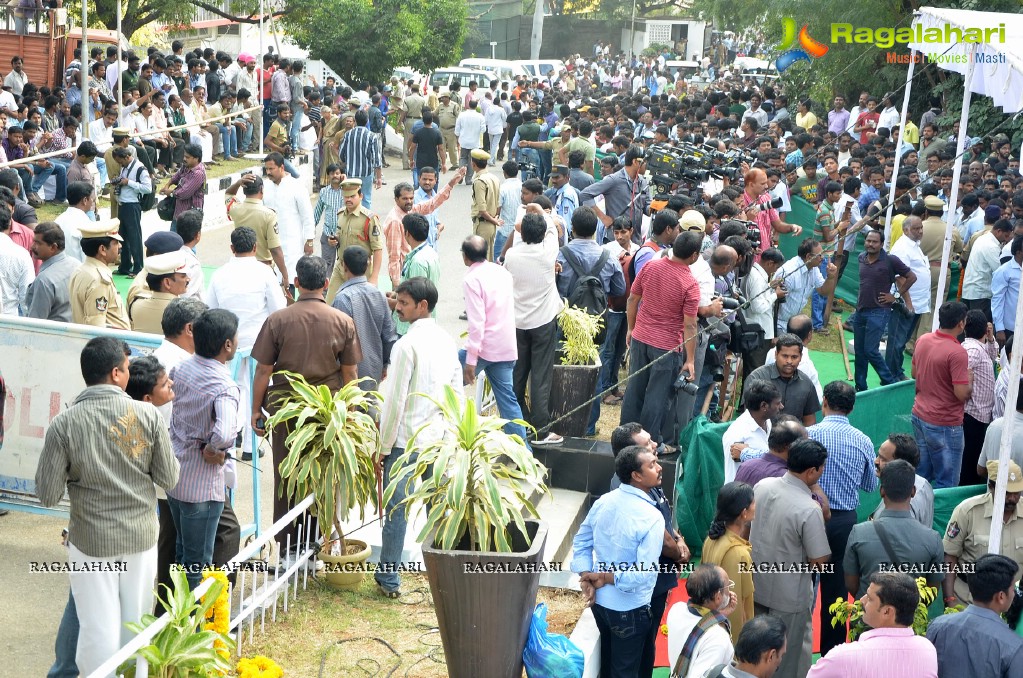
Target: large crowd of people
562 207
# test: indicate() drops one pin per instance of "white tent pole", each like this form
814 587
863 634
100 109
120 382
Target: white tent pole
898 156
259 57
964 119
1005 448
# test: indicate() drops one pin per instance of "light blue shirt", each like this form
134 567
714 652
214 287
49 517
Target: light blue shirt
850 466
1004 295
134 189
422 196
623 527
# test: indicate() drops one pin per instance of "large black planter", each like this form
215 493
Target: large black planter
484 606
571 386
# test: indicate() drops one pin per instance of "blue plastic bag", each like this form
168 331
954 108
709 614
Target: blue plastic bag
550 655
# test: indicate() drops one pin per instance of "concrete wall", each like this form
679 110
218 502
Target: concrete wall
564 35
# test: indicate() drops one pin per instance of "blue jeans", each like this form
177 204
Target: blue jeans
868 326
941 452
900 329
367 190
66 645
499 374
295 134
499 240
245 139
819 303
393 532
60 173
229 137
531 156
196 524
611 352
622 636
290 169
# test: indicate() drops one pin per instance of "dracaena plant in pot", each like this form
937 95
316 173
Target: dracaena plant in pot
479 487
332 446
574 380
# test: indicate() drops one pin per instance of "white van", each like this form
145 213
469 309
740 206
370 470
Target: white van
542 68
505 71
406 73
443 77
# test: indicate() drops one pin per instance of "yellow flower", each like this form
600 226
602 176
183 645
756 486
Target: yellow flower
664 629
259 667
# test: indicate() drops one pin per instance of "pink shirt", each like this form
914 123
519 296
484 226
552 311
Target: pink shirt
490 307
880 653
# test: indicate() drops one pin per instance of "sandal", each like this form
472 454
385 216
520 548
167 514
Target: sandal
551 440
664 450
612 399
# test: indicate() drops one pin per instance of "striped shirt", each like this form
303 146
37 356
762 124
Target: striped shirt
850 464
206 402
367 306
360 152
424 361
330 201
107 450
981 359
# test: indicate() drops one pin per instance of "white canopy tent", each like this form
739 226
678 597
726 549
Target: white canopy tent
994 69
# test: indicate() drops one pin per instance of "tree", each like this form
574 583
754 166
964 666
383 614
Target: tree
366 41
136 14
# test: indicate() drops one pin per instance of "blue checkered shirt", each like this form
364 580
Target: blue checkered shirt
850 465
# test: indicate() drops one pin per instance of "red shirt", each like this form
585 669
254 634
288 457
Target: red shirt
939 362
764 219
24 236
670 294
868 121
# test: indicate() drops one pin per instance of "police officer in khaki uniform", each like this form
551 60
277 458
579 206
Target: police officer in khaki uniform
167 279
966 538
253 213
447 114
486 200
932 243
357 226
94 299
160 242
412 110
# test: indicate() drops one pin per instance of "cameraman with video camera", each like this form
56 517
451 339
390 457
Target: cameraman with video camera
626 192
755 201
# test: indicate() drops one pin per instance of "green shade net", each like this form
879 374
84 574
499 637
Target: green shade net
878 412
804 214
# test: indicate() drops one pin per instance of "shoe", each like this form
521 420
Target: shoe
552 440
463 316
611 399
393 594
847 326
3 512
247 456
34 200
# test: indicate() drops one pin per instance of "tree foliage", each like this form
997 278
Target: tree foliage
366 41
137 14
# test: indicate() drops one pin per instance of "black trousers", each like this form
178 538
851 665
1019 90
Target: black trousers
980 305
535 365
649 390
833 584
973 443
130 214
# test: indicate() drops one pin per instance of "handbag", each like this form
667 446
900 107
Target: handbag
165 208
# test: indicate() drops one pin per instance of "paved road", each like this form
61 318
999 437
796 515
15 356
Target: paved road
34 602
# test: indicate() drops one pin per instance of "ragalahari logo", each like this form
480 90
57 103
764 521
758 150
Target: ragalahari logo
808 47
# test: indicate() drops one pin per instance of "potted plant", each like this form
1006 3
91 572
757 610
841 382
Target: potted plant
481 548
575 379
842 612
179 650
332 448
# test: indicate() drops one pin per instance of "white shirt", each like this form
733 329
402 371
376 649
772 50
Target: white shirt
704 278
7 101
101 135
805 366
170 356
801 281
616 250
854 216
908 251
469 129
196 278
714 648
854 113
535 285
761 308
495 119
249 289
972 224
294 216
984 261
746 430
16 274
69 222
425 360
782 191
889 118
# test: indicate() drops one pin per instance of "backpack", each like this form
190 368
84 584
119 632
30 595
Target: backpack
649 244
588 291
148 200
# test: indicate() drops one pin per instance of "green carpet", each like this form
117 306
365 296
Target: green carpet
831 367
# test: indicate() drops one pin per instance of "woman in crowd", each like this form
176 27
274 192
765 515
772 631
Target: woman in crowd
727 547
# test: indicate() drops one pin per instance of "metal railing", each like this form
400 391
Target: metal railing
263 591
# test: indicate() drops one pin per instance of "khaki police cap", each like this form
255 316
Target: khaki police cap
445 95
121 132
1015 483
350 187
102 229
479 154
165 264
933 202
